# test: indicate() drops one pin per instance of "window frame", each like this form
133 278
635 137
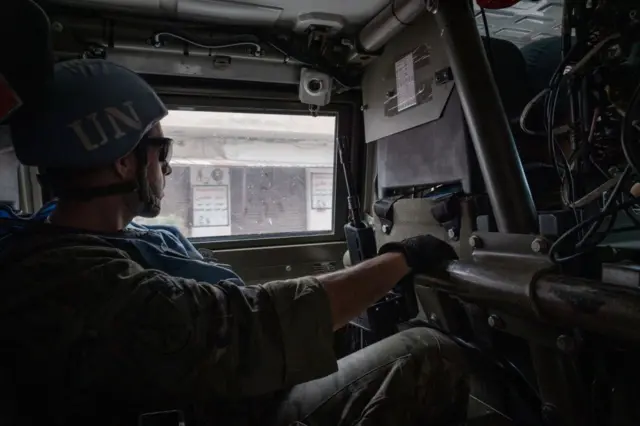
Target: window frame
344 114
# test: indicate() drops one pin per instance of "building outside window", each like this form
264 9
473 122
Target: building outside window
241 174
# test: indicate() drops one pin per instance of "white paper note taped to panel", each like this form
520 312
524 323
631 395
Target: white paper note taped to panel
210 205
405 83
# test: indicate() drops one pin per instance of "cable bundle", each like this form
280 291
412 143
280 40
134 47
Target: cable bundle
588 151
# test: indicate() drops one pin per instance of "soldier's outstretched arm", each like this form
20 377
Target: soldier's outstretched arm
199 339
351 291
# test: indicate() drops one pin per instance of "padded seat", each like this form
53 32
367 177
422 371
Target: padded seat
510 73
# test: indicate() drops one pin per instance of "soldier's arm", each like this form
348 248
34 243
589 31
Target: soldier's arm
353 290
197 338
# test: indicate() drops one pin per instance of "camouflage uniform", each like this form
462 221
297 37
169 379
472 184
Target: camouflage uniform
91 333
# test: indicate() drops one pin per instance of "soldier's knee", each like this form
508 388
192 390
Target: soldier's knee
437 356
423 342
439 374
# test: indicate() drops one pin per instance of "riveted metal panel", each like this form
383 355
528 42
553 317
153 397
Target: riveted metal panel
409 63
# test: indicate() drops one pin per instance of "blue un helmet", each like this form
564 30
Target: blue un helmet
93 113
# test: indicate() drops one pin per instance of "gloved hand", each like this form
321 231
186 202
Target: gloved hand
423 253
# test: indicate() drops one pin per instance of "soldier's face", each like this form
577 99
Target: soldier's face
157 166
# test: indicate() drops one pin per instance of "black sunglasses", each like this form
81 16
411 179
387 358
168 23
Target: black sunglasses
165 150
165 145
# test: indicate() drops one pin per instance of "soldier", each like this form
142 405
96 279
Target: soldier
105 322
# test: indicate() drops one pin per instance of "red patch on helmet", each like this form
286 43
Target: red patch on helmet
9 99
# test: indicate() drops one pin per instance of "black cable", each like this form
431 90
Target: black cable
598 168
527 110
550 106
554 147
494 358
554 248
157 42
610 210
593 237
614 194
556 79
551 101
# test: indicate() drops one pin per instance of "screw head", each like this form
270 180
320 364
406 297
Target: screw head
475 241
451 233
346 42
385 229
550 414
540 245
566 343
495 322
57 27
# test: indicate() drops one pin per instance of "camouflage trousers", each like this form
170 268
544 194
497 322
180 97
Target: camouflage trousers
416 377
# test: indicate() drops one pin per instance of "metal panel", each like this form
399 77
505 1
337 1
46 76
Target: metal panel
407 158
380 88
227 68
276 263
413 217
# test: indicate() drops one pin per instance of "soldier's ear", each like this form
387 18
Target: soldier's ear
125 167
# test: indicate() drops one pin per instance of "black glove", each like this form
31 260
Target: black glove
424 253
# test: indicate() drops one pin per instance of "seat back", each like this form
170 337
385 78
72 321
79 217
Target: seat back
441 151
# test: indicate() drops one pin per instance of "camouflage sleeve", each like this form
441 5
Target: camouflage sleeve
201 339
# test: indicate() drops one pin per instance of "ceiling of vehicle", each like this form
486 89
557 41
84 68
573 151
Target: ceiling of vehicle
289 13
526 21
352 11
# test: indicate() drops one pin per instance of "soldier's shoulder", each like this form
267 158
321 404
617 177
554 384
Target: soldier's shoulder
56 251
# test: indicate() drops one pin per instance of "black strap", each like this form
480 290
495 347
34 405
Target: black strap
446 210
383 208
448 214
86 194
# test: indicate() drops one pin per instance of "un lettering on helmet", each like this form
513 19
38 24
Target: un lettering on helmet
119 119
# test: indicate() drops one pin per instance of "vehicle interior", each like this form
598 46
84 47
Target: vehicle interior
307 134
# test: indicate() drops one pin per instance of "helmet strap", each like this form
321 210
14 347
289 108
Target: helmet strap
87 194
150 202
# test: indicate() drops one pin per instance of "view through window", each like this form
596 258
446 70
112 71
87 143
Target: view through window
248 173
